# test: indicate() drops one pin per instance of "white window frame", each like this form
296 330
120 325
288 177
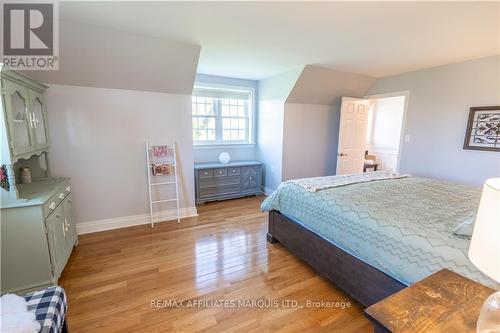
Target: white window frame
250 109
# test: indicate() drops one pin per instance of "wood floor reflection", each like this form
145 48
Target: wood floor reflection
211 273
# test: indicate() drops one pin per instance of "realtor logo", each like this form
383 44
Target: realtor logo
30 35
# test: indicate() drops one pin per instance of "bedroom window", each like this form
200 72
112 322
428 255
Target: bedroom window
222 115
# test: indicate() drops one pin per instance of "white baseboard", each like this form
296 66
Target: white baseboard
267 191
129 221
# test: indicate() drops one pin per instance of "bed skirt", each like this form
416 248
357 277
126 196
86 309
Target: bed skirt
363 282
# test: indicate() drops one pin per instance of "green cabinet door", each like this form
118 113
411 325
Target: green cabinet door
69 219
18 118
39 120
58 244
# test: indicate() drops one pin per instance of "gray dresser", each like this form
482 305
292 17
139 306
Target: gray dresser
217 181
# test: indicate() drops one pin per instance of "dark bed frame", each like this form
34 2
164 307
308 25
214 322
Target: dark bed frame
363 282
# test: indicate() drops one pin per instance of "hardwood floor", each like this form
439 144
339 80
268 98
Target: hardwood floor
122 280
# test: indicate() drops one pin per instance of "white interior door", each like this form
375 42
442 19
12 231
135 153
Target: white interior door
352 135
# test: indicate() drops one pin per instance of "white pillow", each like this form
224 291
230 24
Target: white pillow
15 317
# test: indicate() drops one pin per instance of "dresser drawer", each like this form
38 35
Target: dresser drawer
64 190
206 173
233 171
50 205
219 191
215 182
222 172
218 181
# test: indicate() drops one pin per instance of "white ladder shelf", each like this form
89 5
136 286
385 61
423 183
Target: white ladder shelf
150 160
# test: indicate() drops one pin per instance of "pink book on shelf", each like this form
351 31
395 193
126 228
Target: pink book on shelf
160 150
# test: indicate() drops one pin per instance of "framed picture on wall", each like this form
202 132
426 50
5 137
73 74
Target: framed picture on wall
483 129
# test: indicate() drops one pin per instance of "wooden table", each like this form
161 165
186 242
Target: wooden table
442 302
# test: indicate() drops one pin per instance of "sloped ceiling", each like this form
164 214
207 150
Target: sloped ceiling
278 87
260 39
320 85
106 58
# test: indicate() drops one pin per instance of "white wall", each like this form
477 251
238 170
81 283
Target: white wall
311 120
97 138
237 153
272 95
385 133
299 114
115 90
436 119
270 142
310 144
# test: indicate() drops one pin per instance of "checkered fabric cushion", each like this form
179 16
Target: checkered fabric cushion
50 307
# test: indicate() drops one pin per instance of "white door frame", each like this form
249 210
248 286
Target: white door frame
406 94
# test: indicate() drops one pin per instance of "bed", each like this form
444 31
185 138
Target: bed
375 236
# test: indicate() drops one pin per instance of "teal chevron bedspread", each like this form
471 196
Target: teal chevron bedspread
403 227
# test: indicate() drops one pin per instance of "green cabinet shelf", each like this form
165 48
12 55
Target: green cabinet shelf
38 231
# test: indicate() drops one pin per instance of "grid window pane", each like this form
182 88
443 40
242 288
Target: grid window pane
233 107
204 128
220 119
226 135
234 129
211 135
225 109
203 106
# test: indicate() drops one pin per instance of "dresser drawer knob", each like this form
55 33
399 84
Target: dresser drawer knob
61 196
68 189
206 173
220 172
234 171
52 206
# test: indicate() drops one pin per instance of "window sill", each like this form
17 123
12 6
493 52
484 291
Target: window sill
224 145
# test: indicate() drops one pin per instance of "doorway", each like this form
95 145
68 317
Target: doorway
386 116
371 133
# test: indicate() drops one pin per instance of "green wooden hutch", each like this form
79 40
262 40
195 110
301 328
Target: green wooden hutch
37 219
